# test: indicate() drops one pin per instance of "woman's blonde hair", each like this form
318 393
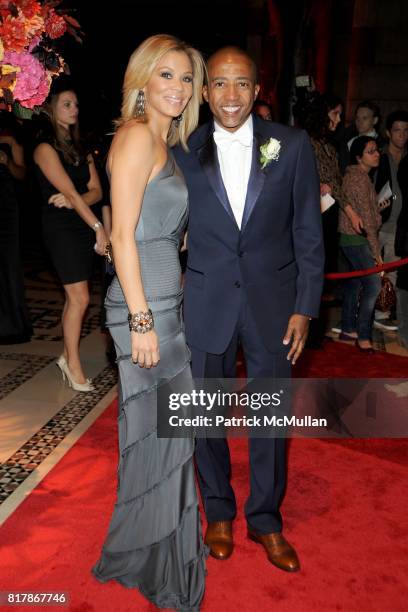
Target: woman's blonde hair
140 68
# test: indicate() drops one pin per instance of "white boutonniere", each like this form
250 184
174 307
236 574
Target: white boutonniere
269 151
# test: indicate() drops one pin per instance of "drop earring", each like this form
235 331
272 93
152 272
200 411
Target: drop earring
178 120
140 104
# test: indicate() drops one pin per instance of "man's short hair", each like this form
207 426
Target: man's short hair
374 108
397 115
239 51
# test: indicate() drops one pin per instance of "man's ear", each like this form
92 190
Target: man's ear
375 121
205 93
257 88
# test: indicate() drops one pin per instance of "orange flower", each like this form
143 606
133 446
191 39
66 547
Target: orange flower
34 26
30 8
13 33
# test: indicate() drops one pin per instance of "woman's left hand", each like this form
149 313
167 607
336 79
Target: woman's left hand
101 241
379 262
59 201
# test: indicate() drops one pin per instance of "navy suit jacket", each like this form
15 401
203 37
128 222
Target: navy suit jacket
277 258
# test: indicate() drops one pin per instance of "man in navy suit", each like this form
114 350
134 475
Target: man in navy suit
254 278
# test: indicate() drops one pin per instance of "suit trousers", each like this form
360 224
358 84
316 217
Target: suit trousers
267 457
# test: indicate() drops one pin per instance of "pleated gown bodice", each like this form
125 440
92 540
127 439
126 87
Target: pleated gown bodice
158 234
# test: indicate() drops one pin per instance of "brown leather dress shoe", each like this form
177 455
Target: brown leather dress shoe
279 551
219 539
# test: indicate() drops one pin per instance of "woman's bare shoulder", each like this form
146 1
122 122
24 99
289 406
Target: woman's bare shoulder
130 140
133 132
44 150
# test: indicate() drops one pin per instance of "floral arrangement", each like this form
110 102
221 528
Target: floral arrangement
28 58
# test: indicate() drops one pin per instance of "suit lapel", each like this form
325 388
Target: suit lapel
256 179
207 155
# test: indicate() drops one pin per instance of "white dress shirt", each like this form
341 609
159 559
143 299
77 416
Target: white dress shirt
372 134
234 151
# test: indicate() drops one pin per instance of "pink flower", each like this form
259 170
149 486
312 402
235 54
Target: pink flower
34 43
33 82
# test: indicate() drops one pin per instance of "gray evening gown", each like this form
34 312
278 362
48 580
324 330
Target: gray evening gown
154 541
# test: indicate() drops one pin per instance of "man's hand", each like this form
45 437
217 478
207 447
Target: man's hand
298 328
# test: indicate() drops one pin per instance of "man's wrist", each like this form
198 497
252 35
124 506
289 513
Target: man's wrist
298 314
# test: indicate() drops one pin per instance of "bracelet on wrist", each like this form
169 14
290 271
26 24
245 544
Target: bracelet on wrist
96 226
141 322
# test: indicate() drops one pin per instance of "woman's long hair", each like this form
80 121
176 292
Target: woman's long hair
68 143
313 114
139 70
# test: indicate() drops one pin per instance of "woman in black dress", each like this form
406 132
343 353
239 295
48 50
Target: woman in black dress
70 186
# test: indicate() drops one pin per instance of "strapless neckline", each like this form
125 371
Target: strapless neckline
166 170
161 173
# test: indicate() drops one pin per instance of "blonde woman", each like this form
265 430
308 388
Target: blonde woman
154 540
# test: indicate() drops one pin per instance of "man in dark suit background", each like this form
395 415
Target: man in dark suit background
254 278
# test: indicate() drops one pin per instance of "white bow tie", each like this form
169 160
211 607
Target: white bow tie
224 140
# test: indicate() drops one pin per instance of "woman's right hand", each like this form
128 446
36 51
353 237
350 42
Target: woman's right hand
356 221
101 241
145 349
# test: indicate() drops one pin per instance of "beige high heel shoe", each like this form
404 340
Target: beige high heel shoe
66 373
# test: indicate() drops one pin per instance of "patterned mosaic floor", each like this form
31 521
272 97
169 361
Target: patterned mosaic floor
46 319
22 371
20 465
30 384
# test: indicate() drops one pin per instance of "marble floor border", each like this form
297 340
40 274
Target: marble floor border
40 472
18 468
32 364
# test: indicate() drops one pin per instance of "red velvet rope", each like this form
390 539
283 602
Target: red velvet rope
387 266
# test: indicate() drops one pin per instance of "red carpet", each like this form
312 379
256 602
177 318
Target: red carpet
345 511
340 360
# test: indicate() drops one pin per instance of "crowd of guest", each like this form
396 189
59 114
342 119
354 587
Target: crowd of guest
355 164
365 172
